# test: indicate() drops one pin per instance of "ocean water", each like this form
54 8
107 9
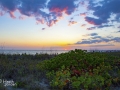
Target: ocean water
33 52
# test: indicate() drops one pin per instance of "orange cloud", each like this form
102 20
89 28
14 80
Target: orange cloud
55 21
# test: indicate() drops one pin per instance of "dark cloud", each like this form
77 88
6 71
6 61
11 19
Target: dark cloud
49 12
91 28
36 8
116 39
58 6
118 26
99 26
103 45
103 11
118 31
8 4
43 28
25 7
96 37
88 41
99 39
94 21
31 7
102 26
92 34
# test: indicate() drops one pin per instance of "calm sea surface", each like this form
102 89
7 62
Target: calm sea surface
32 51
46 51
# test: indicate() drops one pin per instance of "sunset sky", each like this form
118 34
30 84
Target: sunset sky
60 24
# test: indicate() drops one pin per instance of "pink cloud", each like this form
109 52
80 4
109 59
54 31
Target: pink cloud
83 25
72 22
1 13
59 11
42 21
90 21
50 23
12 14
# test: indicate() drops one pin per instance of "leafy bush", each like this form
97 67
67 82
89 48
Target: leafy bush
80 69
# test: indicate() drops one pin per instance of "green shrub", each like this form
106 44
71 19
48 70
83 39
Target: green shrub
84 70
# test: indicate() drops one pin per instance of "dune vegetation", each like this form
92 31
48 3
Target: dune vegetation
82 70
73 70
22 69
